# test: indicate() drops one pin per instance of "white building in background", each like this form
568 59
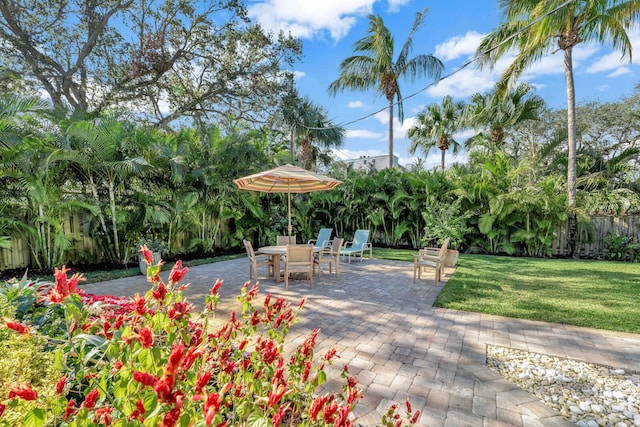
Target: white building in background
371 162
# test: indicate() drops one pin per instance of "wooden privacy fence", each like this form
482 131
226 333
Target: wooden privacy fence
85 251
593 246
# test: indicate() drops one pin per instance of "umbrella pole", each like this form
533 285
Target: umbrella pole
289 206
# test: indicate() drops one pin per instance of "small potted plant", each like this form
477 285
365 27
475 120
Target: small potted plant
156 246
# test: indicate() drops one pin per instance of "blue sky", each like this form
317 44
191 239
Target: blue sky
451 32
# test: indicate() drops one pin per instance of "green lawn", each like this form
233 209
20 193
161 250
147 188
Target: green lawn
597 294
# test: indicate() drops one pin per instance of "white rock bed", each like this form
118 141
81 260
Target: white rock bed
586 394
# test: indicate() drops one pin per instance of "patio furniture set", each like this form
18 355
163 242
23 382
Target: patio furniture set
304 258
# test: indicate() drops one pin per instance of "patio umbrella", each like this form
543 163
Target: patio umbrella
287 179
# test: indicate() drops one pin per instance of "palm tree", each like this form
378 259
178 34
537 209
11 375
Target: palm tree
535 28
309 124
494 113
373 66
435 126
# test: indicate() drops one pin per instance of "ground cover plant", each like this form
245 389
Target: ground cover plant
596 294
151 360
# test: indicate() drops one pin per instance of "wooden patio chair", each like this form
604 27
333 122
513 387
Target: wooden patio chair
256 261
430 258
299 260
331 256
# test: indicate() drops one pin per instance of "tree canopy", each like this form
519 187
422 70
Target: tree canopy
164 61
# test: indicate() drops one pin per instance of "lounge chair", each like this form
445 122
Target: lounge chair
358 245
430 258
324 238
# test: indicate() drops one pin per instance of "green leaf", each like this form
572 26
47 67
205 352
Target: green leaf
94 340
322 377
34 418
258 419
485 223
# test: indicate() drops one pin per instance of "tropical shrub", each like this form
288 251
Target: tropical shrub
619 247
154 361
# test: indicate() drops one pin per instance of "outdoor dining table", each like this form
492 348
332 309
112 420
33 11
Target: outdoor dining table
276 252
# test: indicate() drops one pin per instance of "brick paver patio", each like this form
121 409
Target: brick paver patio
398 345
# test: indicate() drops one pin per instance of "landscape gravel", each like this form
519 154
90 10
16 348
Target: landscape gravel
588 395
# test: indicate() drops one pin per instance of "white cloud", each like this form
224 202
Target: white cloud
364 134
394 5
464 83
459 46
297 75
399 130
311 19
619 72
607 62
357 104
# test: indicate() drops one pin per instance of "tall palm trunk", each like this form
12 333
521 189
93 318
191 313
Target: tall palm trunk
571 160
114 221
390 135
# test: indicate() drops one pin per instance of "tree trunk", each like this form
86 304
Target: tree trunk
571 158
114 221
390 133
442 160
306 153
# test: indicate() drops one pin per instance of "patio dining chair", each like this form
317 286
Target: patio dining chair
299 260
256 261
430 258
358 245
331 256
285 240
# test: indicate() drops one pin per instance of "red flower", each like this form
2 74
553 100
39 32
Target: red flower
307 370
18 327
216 287
60 385
105 330
316 406
146 337
70 409
144 378
415 417
23 392
179 310
276 393
277 417
211 407
90 400
203 379
103 416
331 353
141 305
171 418
174 359
63 287
177 273
116 367
2 408
147 254
163 390
138 413
160 292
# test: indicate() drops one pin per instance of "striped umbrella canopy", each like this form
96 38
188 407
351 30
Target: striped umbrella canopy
287 179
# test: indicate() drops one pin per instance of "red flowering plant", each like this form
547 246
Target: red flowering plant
160 363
